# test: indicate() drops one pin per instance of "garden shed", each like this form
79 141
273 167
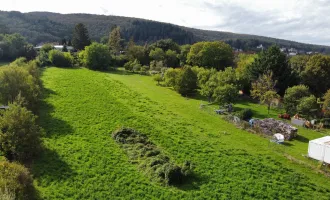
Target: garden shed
319 149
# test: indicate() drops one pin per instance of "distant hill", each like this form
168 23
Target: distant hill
40 27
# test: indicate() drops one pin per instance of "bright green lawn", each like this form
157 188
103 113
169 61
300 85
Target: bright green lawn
81 108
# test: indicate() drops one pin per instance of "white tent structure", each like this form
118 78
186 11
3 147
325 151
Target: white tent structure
319 149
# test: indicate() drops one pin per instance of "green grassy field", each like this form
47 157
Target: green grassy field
81 108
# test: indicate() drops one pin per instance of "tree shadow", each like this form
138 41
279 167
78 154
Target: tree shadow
301 138
50 167
51 125
120 72
287 144
192 182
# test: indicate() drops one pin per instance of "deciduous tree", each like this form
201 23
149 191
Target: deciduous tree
264 89
316 74
216 54
19 133
292 97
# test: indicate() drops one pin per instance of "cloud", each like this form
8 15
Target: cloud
298 20
301 21
104 10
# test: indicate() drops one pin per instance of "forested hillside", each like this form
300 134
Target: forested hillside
47 27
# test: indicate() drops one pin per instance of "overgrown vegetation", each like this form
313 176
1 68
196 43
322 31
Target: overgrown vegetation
16 182
60 59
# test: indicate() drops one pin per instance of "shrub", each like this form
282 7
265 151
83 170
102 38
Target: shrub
15 182
326 104
60 59
120 61
186 82
292 97
134 66
96 56
307 105
225 94
19 134
156 65
46 48
158 78
170 76
19 62
245 114
23 81
128 66
43 59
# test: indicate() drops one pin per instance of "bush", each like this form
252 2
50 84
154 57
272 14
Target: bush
96 56
170 76
60 59
19 62
134 66
245 114
326 104
19 134
120 60
158 78
15 182
186 82
225 94
156 65
292 97
307 105
43 59
21 81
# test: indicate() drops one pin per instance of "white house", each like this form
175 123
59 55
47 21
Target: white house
319 149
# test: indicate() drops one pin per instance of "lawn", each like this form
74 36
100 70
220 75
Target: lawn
81 108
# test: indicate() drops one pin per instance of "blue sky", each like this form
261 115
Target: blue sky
305 21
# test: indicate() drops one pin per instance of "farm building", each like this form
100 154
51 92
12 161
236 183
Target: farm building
319 149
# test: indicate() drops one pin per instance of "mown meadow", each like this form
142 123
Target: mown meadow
81 108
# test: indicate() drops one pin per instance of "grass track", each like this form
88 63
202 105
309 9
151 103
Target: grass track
81 108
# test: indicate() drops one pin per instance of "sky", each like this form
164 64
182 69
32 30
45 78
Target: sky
305 21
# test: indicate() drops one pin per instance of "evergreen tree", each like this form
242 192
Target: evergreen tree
131 43
80 37
275 61
65 48
115 40
63 41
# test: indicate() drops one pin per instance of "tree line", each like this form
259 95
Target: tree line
20 135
